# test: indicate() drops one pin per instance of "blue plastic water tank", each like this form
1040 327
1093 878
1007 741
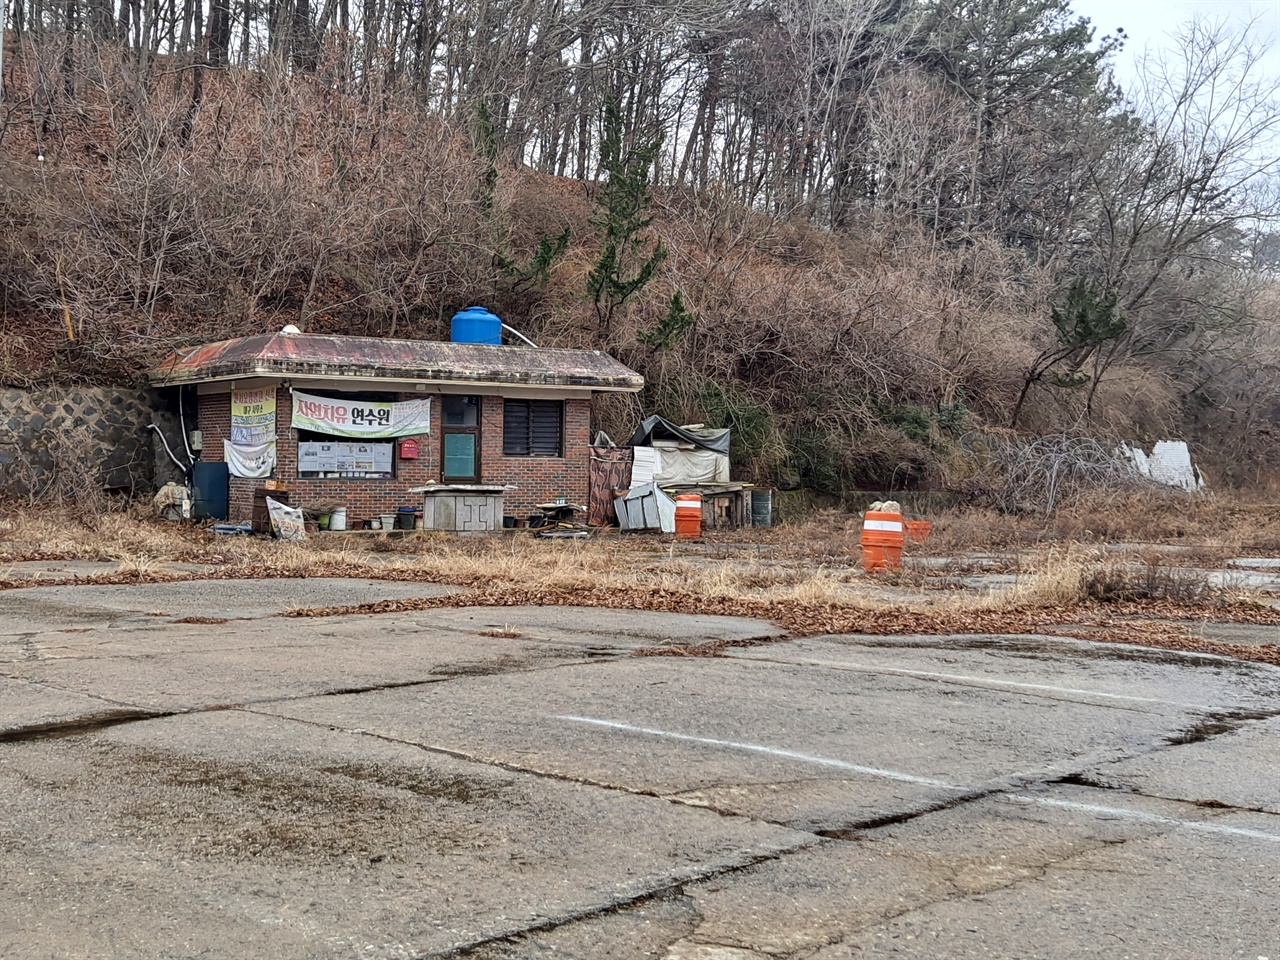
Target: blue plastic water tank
476 325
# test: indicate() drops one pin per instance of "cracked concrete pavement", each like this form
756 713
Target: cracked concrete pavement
502 783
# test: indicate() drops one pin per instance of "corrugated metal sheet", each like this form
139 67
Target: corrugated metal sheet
312 355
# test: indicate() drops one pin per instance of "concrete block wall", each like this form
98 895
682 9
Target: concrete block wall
537 479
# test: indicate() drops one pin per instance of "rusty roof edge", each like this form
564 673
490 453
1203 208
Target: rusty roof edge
169 374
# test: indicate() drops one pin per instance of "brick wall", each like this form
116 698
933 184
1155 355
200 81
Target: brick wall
537 479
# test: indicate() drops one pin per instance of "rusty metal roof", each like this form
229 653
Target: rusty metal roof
314 356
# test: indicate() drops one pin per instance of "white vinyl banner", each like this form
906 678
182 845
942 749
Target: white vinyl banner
253 460
361 418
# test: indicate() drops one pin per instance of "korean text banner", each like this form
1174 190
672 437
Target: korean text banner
361 418
253 415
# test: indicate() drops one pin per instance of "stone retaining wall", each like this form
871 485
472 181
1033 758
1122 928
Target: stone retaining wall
75 442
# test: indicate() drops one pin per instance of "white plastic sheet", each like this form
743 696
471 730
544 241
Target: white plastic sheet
691 466
252 460
1169 463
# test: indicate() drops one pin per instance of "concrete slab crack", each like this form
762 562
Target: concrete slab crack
83 725
674 889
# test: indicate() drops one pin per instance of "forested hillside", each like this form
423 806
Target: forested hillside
856 231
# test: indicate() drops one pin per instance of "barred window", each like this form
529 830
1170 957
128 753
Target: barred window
533 428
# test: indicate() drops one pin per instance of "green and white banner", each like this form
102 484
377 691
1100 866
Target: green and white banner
361 418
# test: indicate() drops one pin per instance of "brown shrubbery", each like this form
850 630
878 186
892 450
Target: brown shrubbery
205 204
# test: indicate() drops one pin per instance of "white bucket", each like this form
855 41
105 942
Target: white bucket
388 521
338 518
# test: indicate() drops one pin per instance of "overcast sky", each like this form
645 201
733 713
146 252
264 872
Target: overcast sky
1149 23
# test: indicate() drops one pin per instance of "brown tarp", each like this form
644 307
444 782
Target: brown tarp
610 471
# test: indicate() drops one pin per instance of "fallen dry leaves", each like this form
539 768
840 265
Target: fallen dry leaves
806 584
1140 624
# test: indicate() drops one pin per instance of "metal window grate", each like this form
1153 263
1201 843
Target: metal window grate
533 428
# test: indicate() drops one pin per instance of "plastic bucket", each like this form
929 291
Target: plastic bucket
882 540
761 508
688 516
388 520
338 519
917 530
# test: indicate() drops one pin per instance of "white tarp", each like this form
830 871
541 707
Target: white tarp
1168 463
691 466
670 465
253 460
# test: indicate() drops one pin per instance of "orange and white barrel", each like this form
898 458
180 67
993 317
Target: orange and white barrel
688 516
882 540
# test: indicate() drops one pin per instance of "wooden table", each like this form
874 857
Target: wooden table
724 505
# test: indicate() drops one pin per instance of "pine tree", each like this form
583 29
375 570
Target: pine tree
622 267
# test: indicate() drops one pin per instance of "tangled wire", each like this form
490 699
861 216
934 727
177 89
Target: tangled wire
1036 475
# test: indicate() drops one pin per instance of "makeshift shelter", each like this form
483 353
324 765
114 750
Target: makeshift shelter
669 454
636 483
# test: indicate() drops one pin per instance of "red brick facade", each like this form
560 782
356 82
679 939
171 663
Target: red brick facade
536 479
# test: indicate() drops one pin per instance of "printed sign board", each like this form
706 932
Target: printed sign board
339 459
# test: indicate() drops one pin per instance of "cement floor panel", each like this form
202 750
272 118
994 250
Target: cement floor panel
1233 767
126 605
714 727
25 705
1015 878
312 665
253 836
1131 889
1045 668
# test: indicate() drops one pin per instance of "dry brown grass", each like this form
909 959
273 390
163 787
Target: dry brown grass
806 580
814 564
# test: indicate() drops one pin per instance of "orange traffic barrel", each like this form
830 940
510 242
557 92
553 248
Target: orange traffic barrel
688 516
917 530
882 540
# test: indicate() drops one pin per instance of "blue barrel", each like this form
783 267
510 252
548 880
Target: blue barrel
476 325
